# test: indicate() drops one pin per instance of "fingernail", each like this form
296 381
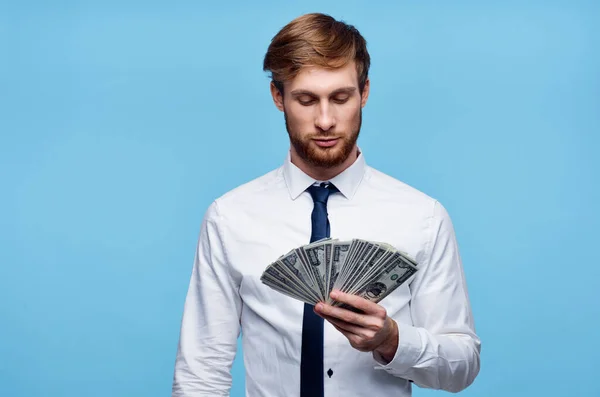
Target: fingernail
319 307
334 294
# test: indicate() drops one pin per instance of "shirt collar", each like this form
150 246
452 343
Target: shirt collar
347 181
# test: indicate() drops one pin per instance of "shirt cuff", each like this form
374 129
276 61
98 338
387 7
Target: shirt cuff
410 348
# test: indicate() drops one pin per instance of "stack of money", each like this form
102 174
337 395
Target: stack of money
371 270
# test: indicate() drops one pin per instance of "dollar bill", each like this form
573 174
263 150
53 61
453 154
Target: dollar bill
377 261
369 269
278 279
276 285
295 281
394 274
353 268
338 257
317 256
294 263
356 248
366 264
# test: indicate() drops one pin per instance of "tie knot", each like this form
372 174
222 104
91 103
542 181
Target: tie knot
320 193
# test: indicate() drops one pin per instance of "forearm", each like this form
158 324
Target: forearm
200 372
211 321
445 361
204 360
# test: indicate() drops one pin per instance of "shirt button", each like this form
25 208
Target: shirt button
329 372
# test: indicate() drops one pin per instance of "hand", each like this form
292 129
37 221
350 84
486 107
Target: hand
369 331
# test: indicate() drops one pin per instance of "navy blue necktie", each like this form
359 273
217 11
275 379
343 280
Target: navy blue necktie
311 364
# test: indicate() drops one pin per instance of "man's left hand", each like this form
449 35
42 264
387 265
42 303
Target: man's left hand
369 331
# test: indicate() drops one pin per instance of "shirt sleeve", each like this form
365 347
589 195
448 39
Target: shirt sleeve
211 319
440 349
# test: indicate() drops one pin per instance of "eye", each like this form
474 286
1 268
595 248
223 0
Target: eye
306 100
341 99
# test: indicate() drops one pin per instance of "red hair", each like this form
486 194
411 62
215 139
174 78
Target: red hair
316 40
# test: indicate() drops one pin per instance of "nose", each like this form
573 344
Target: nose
325 119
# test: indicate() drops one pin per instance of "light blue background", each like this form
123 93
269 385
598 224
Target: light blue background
121 121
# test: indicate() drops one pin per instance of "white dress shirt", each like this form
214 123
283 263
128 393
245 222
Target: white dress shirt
251 226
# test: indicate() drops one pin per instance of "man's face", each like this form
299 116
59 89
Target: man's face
323 114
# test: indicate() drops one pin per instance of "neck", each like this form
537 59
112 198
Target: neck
323 173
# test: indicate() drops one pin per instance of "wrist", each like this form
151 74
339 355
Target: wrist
387 350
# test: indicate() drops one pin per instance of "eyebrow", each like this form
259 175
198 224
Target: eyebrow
343 90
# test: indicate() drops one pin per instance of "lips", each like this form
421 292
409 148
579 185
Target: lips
326 142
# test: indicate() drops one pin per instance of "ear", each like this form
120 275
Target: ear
277 96
365 93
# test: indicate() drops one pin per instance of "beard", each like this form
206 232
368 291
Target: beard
320 157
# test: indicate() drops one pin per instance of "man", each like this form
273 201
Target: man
422 333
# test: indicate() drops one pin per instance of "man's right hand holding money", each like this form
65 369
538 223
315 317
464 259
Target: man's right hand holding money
370 331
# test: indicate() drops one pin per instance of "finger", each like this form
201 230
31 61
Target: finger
356 341
347 334
358 302
342 325
348 316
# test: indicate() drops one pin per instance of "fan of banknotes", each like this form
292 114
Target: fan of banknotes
368 269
